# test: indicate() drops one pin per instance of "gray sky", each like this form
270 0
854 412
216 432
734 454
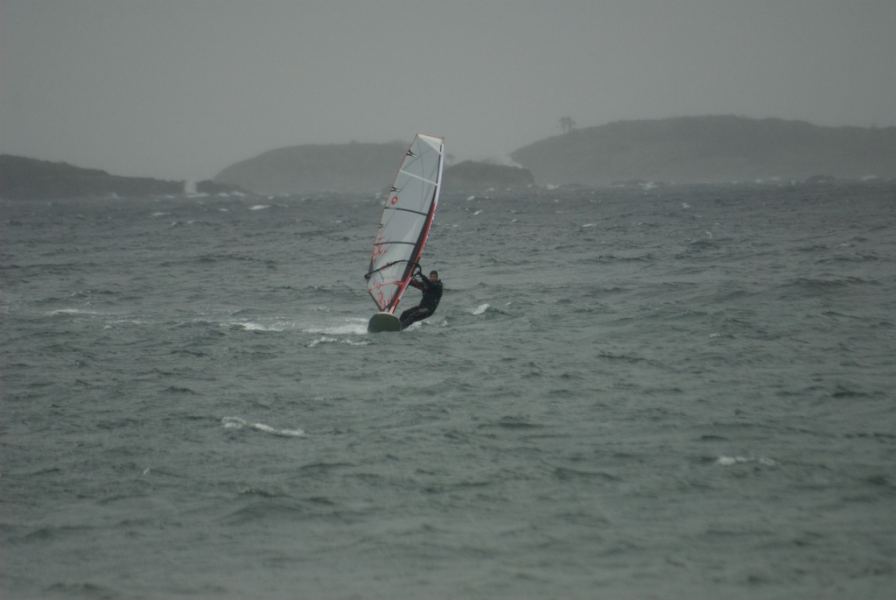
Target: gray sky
182 88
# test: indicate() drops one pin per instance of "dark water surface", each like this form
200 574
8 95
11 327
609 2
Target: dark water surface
674 393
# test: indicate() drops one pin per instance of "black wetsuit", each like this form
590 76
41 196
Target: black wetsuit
432 293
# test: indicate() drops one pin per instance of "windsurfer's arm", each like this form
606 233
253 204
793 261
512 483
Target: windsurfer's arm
418 274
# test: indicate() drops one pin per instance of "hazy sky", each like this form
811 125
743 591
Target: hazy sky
182 88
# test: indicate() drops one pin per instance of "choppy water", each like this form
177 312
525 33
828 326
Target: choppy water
676 393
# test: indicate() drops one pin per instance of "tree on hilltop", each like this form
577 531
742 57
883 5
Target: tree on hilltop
567 124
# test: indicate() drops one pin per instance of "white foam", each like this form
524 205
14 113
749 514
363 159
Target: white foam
478 212
587 225
238 423
128 322
351 326
727 461
328 339
481 308
259 207
73 311
233 423
685 205
323 340
252 326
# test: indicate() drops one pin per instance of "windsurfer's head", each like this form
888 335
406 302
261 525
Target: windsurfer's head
433 275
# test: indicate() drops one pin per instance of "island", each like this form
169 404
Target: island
709 149
342 168
23 178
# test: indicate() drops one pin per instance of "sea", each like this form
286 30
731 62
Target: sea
654 391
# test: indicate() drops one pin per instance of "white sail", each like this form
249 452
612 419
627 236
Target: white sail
407 216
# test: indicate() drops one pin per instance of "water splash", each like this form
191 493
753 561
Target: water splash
727 461
238 423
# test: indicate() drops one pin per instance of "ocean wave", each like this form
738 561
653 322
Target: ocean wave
280 509
611 258
511 422
277 326
696 368
190 223
176 389
76 312
237 423
727 461
488 310
847 258
813 248
82 589
699 246
350 326
347 327
627 358
826 284
843 390
326 339
570 474
233 256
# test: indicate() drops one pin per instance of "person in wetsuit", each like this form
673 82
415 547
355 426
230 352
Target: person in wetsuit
432 292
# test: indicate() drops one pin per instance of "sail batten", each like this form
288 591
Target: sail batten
419 212
405 223
420 178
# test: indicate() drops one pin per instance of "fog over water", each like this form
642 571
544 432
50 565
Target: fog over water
181 89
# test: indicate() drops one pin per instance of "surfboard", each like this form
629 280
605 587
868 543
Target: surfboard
383 321
405 223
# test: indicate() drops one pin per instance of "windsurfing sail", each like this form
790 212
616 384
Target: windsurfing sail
407 217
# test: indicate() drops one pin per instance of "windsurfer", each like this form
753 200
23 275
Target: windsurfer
432 292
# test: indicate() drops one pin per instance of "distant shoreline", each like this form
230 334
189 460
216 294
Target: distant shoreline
646 153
